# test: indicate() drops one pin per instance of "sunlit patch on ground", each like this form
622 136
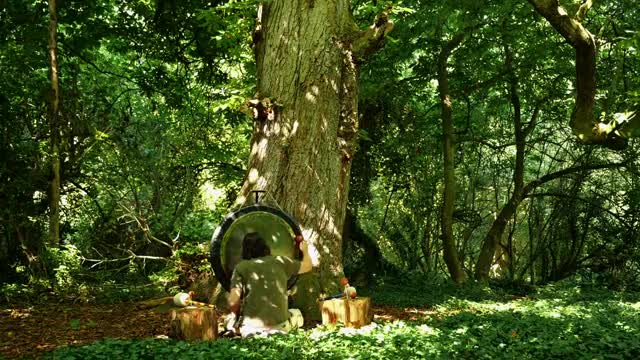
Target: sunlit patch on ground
390 313
18 313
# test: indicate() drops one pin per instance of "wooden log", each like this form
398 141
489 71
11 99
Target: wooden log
193 323
350 312
148 304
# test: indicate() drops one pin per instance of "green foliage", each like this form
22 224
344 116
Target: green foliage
75 324
411 291
66 264
155 142
188 264
554 322
401 151
152 97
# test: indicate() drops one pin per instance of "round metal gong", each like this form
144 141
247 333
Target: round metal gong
276 227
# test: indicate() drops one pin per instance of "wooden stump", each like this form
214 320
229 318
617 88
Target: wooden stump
194 323
351 312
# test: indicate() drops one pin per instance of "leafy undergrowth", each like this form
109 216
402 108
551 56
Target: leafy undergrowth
444 322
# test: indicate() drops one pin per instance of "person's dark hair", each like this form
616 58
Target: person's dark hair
253 246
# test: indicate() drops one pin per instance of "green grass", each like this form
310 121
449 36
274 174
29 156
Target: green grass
564 322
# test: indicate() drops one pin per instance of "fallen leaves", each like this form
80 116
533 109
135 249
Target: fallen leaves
28 332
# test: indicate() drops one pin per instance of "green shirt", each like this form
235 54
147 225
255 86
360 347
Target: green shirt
263 283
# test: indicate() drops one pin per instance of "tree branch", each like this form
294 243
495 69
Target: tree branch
128 258
533 122
469 88
98 69
581 14
583 121
496 147
90 195
366 42
588 201
571 170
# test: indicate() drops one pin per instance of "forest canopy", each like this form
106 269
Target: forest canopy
475 139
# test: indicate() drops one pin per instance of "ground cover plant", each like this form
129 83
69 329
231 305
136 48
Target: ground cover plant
556 321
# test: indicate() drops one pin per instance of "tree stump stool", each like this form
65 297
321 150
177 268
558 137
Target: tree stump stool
193 323
351 312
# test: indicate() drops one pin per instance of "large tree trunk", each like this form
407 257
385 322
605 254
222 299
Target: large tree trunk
306 122
54 128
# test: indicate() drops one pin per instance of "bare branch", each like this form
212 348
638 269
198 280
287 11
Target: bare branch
144 226
128 258
533 122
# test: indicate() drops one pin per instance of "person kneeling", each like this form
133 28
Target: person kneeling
258 294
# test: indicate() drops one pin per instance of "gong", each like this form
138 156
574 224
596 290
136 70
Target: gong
276 227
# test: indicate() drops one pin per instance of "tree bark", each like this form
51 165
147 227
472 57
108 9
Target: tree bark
350 312
192 323
448 149
306 122
54 128
583 122
375 263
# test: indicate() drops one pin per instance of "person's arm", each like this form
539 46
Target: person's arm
234 300
305 264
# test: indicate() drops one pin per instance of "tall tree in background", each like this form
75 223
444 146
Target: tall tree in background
306 119
54 129
495 233
449 249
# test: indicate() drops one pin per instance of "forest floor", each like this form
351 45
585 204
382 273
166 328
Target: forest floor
410 322
29 332
33 330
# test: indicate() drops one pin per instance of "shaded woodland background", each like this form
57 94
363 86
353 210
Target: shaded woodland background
153 139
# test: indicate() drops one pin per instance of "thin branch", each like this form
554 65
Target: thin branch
128 258
144 226
497 147
590 202
95 201
98 69
533 122
571 170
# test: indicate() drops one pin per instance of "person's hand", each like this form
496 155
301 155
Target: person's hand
304 247
305 265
